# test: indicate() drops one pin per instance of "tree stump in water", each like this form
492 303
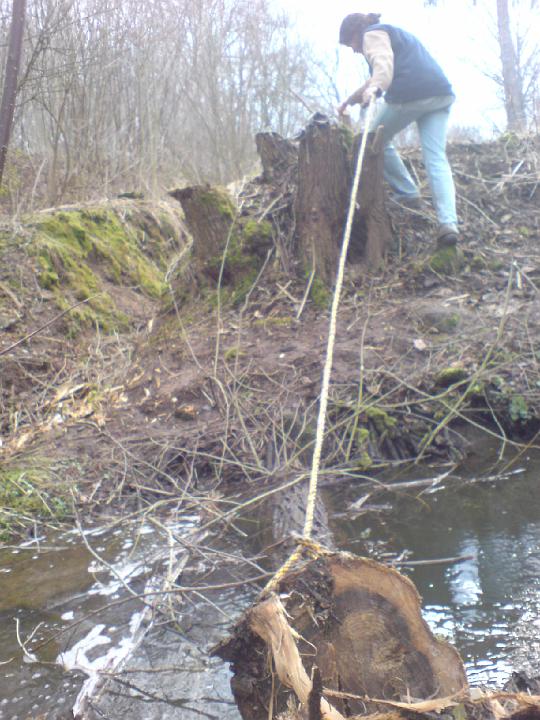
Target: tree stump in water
359 623
325 169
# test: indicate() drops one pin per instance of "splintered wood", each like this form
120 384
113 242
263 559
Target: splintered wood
360 624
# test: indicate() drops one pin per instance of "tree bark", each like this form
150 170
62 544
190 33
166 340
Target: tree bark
325 167
359 622
324 176
277 155
371 230
514 100
7 108
209 218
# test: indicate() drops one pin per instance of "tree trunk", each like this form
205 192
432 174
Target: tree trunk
324 184
209 218
514 101
324 176
371 229
356 620
7 108
277 155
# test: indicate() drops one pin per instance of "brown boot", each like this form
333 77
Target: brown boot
447 236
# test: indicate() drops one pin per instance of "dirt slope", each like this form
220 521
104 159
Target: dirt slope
139 396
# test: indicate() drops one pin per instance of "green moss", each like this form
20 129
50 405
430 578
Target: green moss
451 375
257 237
48 278
28 494
78 249
495 265
240 265
319 293
251 229
347 136
285 321
478 263
446 261
218 200
518 409
363 460
477 390
380 419
232 353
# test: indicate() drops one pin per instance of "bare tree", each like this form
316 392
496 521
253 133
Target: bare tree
7 108
520 71
117 94
514 99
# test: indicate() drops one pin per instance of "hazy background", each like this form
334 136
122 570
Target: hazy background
460 34
122 95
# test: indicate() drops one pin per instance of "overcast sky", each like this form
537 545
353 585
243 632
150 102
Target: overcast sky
459 35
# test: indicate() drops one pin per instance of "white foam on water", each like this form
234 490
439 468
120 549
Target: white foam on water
77 657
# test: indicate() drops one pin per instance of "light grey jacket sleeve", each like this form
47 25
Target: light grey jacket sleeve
377 50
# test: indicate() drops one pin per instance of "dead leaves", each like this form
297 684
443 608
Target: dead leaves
69 405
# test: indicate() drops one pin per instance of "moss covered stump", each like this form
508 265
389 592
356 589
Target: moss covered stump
228 251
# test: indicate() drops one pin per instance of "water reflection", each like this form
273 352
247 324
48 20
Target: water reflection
489 604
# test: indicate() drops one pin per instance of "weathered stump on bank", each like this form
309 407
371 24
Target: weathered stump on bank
278 155
326 162
209 214
322 198
305 184
371 224
359 623
228 249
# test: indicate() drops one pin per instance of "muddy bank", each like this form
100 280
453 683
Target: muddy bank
149 386
154 395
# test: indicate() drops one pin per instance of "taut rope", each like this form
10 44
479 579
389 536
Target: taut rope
321 420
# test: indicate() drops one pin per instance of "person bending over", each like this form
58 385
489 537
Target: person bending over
415 90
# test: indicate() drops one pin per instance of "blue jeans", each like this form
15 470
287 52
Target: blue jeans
431 117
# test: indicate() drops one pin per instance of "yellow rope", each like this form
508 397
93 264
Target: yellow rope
321 420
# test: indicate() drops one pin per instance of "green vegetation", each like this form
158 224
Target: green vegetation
451 375
320 294
232 353
446 261
478 263
363 460
275 321
257 235
347 137
248 244
380 419
28 494
519 409
77 250
218 200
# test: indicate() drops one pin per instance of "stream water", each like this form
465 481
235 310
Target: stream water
488 604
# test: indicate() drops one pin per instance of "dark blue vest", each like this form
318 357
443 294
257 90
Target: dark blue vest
416 74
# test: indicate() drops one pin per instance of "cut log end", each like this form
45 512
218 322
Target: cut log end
360 623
